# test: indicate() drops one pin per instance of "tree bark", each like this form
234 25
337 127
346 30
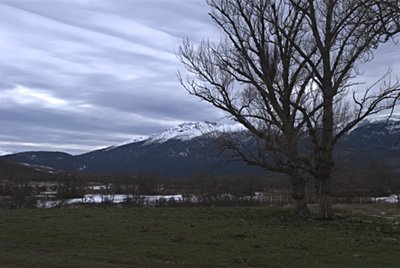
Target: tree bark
325 199
299 198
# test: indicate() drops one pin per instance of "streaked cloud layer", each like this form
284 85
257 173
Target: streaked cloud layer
81 74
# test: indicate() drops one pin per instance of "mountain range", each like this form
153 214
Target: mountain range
193 147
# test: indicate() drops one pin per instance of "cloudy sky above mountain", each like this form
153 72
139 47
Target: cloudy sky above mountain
76 75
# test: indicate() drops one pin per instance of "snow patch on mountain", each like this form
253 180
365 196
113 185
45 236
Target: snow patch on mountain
395 117
183 132
188 131
134 140
191 130
4 153
391 124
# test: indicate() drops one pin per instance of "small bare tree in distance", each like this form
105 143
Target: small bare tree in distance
283 71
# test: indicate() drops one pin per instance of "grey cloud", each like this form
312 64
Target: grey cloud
51 126
87 74
386 58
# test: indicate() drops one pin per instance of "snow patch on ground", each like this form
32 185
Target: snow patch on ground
392 199
112 198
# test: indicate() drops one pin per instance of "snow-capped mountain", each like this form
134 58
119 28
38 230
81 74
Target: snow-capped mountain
192 147
181 150
184 132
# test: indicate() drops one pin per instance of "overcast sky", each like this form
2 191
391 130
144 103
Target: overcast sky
77 75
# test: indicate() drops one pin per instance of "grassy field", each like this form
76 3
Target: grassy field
194 237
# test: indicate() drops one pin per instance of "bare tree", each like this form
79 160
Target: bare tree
256 75
345 33
283 71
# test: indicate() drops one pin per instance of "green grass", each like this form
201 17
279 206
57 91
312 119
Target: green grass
192 237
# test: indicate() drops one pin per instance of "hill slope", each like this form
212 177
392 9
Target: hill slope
193 147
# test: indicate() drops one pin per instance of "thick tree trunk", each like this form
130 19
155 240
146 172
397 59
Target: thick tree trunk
325 199
299 198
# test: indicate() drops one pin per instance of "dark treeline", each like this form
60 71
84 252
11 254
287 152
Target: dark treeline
20 186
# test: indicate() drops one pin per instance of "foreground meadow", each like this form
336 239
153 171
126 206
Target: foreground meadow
195 237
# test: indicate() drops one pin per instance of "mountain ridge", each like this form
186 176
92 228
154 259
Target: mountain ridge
192 147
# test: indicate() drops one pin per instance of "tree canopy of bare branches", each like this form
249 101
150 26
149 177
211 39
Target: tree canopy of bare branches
345 34
285 70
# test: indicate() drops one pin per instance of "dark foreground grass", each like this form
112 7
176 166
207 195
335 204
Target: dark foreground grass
192 237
